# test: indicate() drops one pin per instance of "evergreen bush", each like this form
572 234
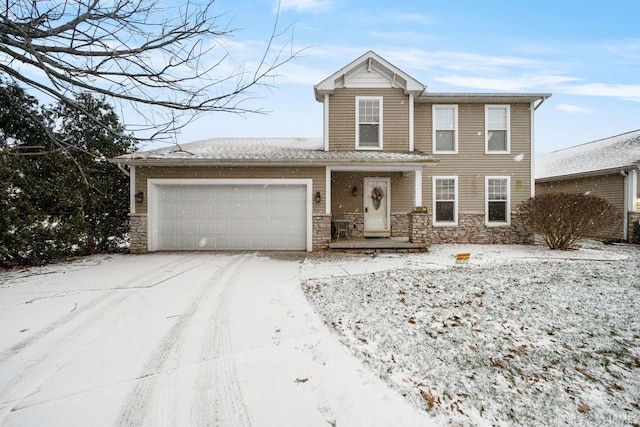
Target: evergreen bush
635 238
58 201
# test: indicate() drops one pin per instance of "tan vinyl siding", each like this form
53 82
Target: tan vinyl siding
471 165
342 118
343 201
608 187
315 173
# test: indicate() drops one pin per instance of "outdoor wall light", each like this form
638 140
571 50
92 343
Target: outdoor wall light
139 196
318 197
354 191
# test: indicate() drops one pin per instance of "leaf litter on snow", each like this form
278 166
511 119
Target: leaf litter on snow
510 341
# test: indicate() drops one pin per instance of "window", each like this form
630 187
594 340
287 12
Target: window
497 198
445 128
369 123
445 200
497 129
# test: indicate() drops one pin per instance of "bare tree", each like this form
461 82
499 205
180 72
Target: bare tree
167 62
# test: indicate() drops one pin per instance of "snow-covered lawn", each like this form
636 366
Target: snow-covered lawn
518 336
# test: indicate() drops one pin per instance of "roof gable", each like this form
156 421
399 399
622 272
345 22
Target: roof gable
620 152
369 71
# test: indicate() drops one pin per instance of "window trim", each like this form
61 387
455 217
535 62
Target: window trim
507 221
437 223
380 121
507 108
455 130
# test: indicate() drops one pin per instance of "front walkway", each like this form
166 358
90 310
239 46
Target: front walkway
392 244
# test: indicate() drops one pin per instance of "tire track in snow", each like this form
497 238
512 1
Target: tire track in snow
154 275
78 326
147 390
218 399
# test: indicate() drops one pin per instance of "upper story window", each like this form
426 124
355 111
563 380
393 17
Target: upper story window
445 200
445 129
497 129
369 123
498 195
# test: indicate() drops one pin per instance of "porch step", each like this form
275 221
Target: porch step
378 245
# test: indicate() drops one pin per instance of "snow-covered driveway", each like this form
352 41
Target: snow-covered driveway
178 339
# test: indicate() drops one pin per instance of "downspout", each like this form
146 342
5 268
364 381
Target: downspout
411 123
625 216
131 173
325 129
533 150
132 189
122 168
544 98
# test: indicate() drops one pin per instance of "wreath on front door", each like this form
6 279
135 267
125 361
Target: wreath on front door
377 194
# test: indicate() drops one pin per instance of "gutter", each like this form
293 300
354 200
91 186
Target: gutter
269 163
587 174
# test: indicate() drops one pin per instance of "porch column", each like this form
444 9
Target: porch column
417 185
327 190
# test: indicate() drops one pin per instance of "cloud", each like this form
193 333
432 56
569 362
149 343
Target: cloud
574 109
605 89
508 84
625 49
306 5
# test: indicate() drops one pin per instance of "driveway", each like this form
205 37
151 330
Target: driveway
184 339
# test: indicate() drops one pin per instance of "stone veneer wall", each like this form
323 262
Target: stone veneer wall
633 217
321 232
420 227
138 233
399 224
472 229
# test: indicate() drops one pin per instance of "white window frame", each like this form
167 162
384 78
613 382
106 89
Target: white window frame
507 221
437 223
380 121
507 108
435 128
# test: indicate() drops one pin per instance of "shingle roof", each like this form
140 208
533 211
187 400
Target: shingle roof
617 152
265 151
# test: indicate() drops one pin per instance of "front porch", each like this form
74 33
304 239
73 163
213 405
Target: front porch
390 244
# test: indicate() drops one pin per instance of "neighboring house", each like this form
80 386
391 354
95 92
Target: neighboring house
606 168
394 161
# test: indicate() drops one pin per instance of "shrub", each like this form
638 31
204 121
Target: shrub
563 218
635 237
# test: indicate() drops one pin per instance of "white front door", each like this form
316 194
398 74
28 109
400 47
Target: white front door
377 207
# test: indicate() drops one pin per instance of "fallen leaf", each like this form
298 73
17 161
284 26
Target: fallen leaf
301 380
518 350
429 397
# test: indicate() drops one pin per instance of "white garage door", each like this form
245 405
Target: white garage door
231 217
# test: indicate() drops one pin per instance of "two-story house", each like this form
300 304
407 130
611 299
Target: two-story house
394 161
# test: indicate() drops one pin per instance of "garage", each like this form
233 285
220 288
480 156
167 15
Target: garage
210 214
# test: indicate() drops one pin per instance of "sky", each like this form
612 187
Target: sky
586 53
